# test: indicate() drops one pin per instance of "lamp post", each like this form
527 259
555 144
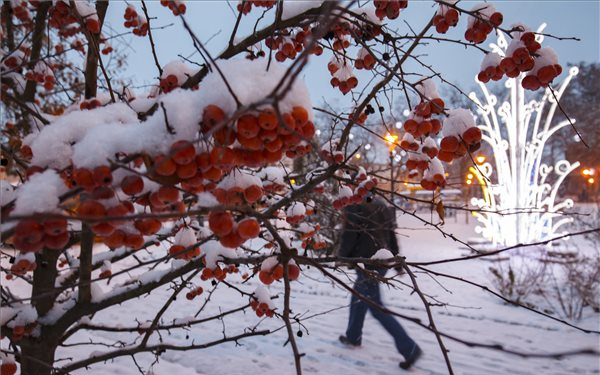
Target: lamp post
391 140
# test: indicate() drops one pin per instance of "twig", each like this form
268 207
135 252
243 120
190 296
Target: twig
160 71
567 116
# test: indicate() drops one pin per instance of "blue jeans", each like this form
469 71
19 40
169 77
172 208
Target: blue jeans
369 288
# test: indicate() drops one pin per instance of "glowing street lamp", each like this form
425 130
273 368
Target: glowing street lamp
588 172
391 139
480 159
591 180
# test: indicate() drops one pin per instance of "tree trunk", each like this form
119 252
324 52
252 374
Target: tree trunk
37 355
44 292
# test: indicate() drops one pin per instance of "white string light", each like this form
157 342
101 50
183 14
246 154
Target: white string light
519 191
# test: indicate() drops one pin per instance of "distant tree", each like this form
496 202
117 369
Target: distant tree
580 102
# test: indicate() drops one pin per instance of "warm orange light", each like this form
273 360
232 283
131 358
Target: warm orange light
391 139
586 172
469 182
591 180
480 159
470 176
357 156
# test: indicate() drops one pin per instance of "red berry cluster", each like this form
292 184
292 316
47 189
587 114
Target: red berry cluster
524 54
314 243
169 83
105 271
107 47
438 180
230 233
451 147
339 33
329 152
237 195
430 148
420 127
194 293
520 59
90 104
272 186
218 273
445 18
541 76
343 78
268 276
480 27
121 237
92 23
183 252
165 199
296 212
289 43
135 21
428 107
100 203
246 6
78 45
490 68
8 367
41 74
33 236
389 8
408 142
92 179
61 16
348 196
433 178
416 162
21 266
364 60
261 308
20 11
182 164
20 331
176 6
262 138
307 230
14 60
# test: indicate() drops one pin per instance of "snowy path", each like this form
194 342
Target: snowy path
474 316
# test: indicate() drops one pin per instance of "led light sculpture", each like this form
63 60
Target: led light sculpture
519 200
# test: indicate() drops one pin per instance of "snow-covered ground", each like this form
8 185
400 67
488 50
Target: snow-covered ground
470 314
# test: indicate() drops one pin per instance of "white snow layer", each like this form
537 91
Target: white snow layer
100 133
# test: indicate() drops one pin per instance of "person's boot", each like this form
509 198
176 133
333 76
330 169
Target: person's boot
346 341
412 358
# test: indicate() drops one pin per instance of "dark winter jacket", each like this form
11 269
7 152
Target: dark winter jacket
368 227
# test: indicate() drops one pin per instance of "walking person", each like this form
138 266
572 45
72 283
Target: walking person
368 227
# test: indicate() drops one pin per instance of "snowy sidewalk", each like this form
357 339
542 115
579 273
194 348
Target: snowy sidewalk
471 315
